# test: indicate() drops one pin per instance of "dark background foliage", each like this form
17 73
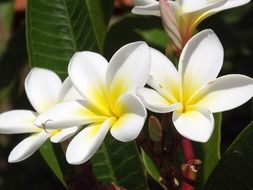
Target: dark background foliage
234 28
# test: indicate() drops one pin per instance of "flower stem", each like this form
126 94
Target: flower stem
190 168
187 149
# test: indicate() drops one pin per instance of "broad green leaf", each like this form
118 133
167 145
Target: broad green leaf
234 170
128 29
156 37
209 153
57 29
49 156
119 163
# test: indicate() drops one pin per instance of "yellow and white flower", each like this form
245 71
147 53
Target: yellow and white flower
193 93
44 89
181 17
109 102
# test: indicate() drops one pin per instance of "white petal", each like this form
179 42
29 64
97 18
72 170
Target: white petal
164 74
120 76
67 114
68 92
85 144
149 9
225 93
27 147
200 61
155 102
64 134
193 5
131 120
143 2
18 121
230 4
42 87
87 72
196 125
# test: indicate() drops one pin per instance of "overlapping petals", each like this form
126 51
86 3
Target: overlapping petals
44 89
195 93
180 18
109 101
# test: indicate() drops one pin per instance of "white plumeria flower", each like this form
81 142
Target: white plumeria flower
44 89
110 100
181 17
193 93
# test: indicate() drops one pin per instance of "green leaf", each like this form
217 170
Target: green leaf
57 29
119 163
234 170
155 36
209 153
131 28
49 156
151 168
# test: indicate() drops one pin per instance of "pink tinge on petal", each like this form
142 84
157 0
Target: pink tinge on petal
170 23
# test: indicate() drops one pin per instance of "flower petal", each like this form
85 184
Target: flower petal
68 92
149 9
120 76
86 143
132 117
42 87
64 134
67 114
200 61
18 121
143 2
225 93
196 125
87 72
193 5
155 102
27 147
229 4
164 75
169 13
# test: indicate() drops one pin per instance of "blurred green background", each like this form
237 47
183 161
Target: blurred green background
234 28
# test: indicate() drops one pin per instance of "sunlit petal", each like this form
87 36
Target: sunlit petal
27 147
149 9
143 2
229 4
225 93
87 72
196 125
68 92
18 121
193 5
164 74
200 61
63 134
155 102
67 114
132 117
42 87
86 143
121 77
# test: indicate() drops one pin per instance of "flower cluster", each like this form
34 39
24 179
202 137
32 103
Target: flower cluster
181 17
100 97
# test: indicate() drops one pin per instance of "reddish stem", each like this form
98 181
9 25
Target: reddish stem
187 150
189 172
